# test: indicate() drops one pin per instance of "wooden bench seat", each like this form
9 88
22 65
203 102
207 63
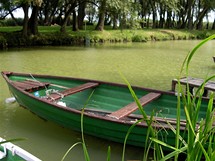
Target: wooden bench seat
59 95
126 110
30 85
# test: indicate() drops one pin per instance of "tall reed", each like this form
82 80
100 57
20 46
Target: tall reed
200 134
86 154
200 141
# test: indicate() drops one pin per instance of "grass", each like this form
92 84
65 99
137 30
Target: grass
51 36
109 35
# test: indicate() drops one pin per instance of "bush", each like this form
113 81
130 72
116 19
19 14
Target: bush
3 42
11 22
138 38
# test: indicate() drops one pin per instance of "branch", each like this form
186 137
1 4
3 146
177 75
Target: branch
8 12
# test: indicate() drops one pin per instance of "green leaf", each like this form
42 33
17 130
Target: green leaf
67 152
108 153
164 144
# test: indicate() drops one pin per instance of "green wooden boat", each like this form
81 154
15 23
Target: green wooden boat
11 152
109 108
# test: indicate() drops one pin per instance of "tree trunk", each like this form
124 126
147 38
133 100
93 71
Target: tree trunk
154 15
213 26
74 21
162 15
199 20
50 10
168 20
33 22
100 25
25 21
66 18
47 19
190 12
114 21
81 15
148 21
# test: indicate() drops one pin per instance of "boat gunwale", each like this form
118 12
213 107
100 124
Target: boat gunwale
16 150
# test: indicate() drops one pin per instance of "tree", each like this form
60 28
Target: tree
81 14
205 6
69 7
125 13
48 11
25 7
102 10
30 26
7 7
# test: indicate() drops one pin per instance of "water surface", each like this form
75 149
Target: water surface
152 64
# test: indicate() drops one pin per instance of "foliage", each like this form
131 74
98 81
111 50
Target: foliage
51 36
138 38
126 14
3 42
11 22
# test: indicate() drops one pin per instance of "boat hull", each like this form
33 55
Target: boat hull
97 122
95 126
11 152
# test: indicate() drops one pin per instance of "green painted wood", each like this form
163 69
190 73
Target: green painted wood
104 99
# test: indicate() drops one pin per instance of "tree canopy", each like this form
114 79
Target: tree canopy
180 14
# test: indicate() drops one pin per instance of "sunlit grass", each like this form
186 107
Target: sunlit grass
10 28
127 35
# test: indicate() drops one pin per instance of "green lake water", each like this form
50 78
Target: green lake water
152 64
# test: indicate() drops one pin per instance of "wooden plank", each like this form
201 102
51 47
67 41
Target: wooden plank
35 83
29 86
59 95
25 86
126 110
194 83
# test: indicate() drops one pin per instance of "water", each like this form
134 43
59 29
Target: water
152 64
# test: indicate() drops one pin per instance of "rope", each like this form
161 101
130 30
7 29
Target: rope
37 81
51 91
48 91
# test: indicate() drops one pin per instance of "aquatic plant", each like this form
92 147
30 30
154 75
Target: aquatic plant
200 142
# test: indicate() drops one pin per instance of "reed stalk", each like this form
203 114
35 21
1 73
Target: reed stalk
86 154
158 154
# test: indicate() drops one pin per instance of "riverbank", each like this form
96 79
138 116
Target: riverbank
50 35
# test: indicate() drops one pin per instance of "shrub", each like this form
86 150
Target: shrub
138 38
3 42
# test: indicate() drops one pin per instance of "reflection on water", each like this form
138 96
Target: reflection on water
152 64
